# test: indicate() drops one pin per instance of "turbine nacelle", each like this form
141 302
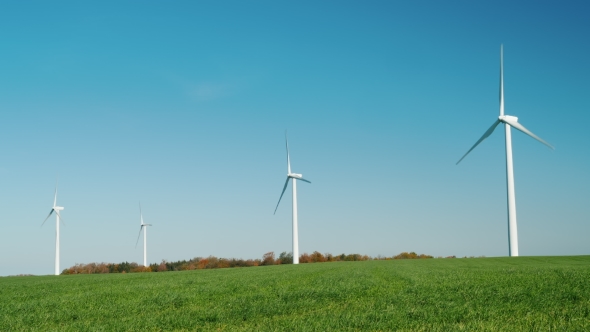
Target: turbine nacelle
295 175
55 209
507 118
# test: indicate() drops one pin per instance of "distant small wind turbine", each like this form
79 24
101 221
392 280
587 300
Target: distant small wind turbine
55 209
141 227
509 121
295 177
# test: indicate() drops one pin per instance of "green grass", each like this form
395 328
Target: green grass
510 294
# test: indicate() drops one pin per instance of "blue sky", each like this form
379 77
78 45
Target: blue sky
183 107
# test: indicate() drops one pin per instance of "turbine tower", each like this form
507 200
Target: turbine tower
295 177
508 121
55 209
141 227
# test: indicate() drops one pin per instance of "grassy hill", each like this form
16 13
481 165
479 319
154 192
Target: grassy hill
511 294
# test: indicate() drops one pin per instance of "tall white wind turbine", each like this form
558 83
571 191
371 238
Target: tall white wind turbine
508 121
141 228
55 209
295 177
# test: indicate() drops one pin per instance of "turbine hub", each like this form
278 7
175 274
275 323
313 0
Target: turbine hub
504 118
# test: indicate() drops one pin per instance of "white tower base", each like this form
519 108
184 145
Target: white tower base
512 229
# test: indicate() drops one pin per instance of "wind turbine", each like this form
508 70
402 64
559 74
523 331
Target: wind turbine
508 121
141 227
295 177
55 209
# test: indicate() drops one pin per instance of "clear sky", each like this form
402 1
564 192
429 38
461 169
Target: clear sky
184 107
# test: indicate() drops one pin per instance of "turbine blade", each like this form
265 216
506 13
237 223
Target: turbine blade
284 188
288 159
485 135
140 215
60 218
138 235
302 179
501 79
49 215
55 196
520 127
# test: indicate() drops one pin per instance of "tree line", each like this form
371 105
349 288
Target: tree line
213 262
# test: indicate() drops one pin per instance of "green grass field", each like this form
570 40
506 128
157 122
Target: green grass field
509 294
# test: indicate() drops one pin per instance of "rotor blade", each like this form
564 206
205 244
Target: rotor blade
138 235
140 215
60 218
302 179
284 188
55 196
501 80
520 127
288 159
485 135
49 215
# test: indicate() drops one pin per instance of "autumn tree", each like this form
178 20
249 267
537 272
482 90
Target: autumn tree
317 257
268 258
213 262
